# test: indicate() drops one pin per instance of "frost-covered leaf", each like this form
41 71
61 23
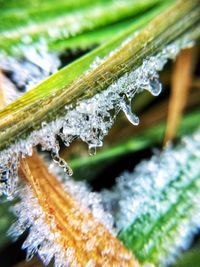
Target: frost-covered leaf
72 232
156 208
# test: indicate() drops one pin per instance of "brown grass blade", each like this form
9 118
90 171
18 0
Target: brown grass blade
181 79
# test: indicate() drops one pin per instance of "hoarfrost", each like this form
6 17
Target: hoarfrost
83 193
91 119
43 236
40 240
142 197
35 65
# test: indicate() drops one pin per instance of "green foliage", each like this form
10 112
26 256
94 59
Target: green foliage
168 218
6 220
32 23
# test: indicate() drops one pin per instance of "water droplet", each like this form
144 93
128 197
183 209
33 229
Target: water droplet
155 87
126 107
92 150
44 124
62 163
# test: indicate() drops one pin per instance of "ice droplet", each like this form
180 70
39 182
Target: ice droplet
61 163
155 87
126 107
92 150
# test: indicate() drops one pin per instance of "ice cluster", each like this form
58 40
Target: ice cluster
81 191
91 119
40 240
143 197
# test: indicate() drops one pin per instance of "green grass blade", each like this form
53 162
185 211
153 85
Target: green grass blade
189 258
158 204
68 86
93 38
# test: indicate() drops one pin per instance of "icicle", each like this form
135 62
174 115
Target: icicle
127 109
61 163
92 150
155 87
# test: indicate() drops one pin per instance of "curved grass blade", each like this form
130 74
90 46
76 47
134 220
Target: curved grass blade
67 87
60 226
58 22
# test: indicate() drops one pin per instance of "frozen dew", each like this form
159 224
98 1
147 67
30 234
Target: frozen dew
61 163
91 119
155 87
127 109
92 150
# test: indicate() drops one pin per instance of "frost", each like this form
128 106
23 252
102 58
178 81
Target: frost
83 193
91 119
43 236
35 65
40 239
142 197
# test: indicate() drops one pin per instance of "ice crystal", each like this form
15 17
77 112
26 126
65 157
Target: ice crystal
83 193
91 119
141 198
43 236
40 239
